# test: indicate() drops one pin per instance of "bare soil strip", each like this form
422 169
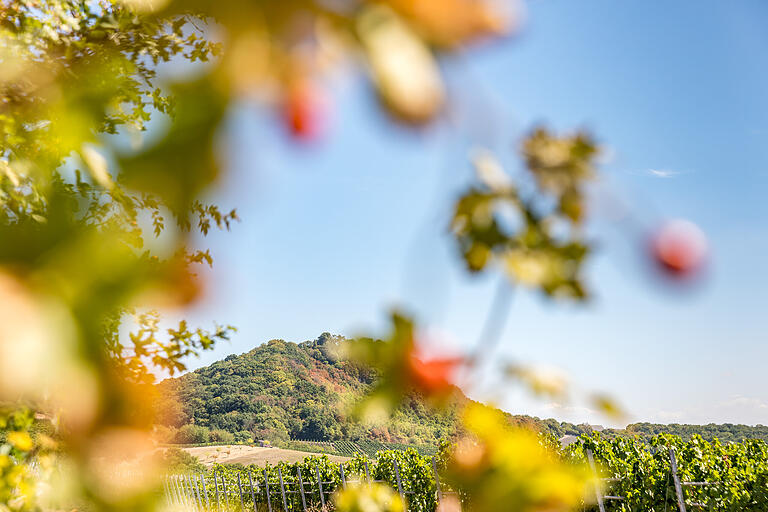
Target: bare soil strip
241 454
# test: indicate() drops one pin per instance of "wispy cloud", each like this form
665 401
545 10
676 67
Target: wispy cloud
749 410
659 172
571 411
746 402
663 173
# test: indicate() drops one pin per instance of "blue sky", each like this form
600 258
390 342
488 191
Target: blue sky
335 234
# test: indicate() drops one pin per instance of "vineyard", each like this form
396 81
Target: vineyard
666 474
706 475
367 447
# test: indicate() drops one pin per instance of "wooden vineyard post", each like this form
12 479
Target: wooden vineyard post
169 487
320 485
397 477
165 490
188 488
193 482
676 480
253 494
282 489
343 479
180 489
598 492
175 483
216 486
168 493
183 487
226 494
437 482
301 489
367 473
205 492
240 488
188 496
266 486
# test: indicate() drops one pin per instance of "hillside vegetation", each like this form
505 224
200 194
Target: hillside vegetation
282 391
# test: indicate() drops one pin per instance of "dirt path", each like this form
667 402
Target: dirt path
240 454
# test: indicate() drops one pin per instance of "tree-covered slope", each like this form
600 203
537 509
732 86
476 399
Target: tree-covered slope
283 390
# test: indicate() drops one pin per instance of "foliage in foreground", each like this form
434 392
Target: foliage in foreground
93 232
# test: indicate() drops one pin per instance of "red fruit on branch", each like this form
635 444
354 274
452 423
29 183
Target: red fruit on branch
679 248
305 110
436 376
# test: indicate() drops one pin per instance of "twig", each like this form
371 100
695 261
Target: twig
494 322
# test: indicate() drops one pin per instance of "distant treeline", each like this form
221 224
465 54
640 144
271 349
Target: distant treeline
726 432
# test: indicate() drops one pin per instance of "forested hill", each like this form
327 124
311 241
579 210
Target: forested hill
282 390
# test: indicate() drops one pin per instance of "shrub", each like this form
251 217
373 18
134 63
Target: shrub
222 436
164 434
244 437
178 461
193 434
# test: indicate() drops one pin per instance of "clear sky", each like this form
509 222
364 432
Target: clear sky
335 234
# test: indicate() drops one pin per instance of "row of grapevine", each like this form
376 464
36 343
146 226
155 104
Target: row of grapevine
279 488
301 445
372 447
639 473
368 447
423 449
729 477
347 448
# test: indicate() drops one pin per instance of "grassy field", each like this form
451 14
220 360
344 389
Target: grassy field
243 454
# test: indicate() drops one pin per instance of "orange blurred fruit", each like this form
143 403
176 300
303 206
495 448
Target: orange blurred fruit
679 248
305 110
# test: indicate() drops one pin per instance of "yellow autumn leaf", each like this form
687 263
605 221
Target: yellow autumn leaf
541 380
20 441
403 69
528 268
607 406
455 22
503 464
368 498
97 166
